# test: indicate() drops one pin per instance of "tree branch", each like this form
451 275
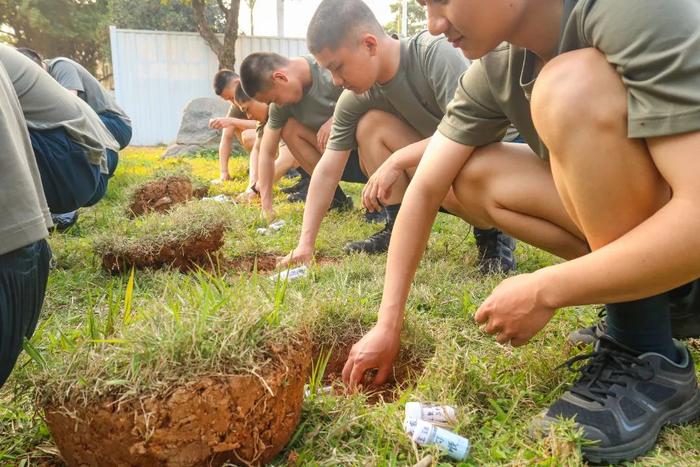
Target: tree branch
222 7
205 29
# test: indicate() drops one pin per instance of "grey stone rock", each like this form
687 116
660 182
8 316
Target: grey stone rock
194 134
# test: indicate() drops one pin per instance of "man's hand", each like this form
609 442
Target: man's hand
247 196
377 190
515 311
220 123
377 349
299 255
269 215
323 134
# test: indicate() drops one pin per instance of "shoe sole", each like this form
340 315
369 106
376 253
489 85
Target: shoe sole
629 451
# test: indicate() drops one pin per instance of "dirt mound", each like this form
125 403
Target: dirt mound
161 195
407 368
186 254
217 419
265 262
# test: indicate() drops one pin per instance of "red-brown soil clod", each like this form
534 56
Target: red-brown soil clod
185 254
162 195
208 422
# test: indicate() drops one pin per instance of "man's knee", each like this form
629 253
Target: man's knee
575 90
248 139
370 123
291 130
472 186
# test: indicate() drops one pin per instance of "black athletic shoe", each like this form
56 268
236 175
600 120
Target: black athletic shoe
685 317
341 204
622 400
302 184
376 217
292 174
63 222
299 196
591 334
495 251
373 245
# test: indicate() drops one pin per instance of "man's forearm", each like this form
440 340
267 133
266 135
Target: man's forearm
658 255
324 180
438 168
225 151
242 124
408 157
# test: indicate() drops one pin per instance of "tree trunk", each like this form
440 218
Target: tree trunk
226 52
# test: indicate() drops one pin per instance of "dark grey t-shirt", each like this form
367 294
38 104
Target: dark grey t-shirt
419 93
72 75
46 105
315 107
653 45
25 216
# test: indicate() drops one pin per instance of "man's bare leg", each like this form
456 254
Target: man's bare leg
284 162
301 142
507 186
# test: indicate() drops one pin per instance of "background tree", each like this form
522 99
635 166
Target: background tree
159 15
225 50
77 29
251 7
417 21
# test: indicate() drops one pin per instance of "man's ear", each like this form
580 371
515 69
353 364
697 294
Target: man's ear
370 43
280 75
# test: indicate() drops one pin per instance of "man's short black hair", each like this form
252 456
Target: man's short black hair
257 69
335 20
222 78
32 54
240 96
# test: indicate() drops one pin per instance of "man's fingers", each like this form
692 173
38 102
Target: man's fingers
358 371
482 315
492 327
518 341
503 338
347 370
383 374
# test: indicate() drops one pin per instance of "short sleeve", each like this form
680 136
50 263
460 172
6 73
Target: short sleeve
235 112
473 117
348 111
655 47
278 116
67 76
444 65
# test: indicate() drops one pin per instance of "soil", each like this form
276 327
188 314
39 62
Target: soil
185 254
266 262
407 368
209 422
162 195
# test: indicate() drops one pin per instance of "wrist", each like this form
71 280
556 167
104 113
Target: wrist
549 290
390 321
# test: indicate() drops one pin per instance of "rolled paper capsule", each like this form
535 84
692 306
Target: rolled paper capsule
442 415
277 225
409 425
455 446
292 274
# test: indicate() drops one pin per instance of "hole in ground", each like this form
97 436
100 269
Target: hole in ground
407 368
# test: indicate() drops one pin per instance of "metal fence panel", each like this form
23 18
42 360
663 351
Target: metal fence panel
156 73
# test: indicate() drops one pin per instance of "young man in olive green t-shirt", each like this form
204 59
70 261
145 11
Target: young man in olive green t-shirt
302 97
396 93
24 252
607 95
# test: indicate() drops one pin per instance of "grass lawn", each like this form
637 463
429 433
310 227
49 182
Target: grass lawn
103 334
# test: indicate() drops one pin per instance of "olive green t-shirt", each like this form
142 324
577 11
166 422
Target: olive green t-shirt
315 107
46 105
419 92
72 75
25 216
653 44
235 112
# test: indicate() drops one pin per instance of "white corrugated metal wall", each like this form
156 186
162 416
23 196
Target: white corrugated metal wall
156 73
